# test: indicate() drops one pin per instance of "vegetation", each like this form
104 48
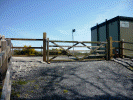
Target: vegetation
27 51
33 52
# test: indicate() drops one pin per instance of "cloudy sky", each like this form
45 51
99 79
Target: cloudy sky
30 18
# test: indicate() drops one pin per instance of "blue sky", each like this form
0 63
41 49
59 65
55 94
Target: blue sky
30 18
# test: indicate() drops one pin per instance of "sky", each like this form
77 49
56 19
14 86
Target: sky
30 18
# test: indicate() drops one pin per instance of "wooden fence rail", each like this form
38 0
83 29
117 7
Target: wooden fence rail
106 44
44 44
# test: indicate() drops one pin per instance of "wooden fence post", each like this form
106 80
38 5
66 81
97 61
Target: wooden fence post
122 50
48 50
110 48
9 44
3 43
4 59
44 46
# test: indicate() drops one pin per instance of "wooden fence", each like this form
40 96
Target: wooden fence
5 55
122 49
107 45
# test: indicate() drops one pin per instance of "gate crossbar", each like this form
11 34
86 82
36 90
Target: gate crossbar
67 50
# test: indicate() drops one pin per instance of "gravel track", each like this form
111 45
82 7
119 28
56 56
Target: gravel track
90 80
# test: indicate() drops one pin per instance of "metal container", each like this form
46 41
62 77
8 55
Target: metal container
118 28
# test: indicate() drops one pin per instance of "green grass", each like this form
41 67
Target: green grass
20 82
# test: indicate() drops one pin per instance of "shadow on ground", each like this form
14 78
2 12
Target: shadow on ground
58 97
79 81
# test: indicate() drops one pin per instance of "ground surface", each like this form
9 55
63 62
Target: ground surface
92 80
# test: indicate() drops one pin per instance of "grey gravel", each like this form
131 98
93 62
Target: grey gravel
91 80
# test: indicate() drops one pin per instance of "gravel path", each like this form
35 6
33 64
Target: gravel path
92 80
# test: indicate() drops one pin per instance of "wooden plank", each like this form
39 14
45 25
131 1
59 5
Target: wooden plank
97 55
116 41
6 91
71 46
77 46
126 56
47 50
65 46
82 50
25 39
83 55
92 51
44 46
4 69
94 42
85 45
127 49
128 42
100 51
53 58
25 56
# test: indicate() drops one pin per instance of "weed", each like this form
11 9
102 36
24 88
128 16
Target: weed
65 91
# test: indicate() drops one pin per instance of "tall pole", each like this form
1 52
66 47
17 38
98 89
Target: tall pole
73 30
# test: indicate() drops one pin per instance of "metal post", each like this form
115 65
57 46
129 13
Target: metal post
73 40
73 30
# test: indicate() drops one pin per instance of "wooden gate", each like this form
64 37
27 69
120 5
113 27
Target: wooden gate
93 49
